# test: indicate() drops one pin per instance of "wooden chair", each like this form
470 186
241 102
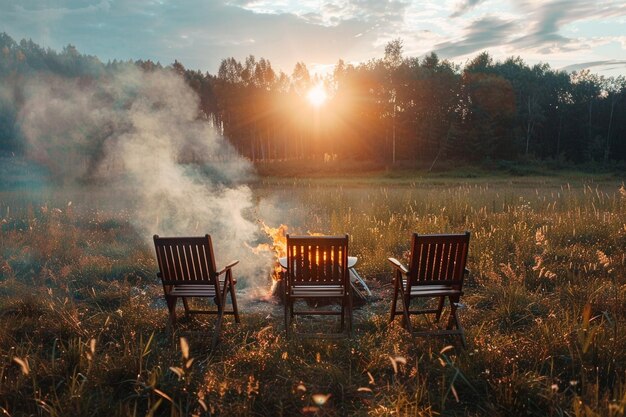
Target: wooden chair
436 270
187 270
317 268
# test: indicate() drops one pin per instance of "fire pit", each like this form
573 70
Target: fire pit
279 249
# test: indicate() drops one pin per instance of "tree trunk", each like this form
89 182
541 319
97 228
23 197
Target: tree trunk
607 145
558 136
269 144
589 128
528 127
252 146
262 147
393 135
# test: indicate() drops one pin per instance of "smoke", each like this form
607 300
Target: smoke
139 134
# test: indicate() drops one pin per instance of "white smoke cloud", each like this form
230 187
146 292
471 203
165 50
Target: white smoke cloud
138 133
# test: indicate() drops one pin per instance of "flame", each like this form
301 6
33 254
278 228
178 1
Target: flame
278 246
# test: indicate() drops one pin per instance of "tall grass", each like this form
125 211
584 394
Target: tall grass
83 326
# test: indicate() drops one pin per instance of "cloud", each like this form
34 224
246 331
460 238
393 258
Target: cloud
480 34
196 32
330 13
464 6
537 27
545 21
375 10
606 65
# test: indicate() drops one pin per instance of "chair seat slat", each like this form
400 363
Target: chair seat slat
192 291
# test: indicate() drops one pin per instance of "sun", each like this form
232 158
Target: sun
317 95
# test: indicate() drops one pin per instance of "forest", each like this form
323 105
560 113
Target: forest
387 110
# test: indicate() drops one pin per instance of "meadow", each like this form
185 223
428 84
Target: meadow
83 328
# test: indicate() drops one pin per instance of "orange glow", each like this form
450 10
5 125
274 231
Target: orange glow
278 247
317 95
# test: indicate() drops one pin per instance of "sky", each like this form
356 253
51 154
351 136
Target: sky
567 34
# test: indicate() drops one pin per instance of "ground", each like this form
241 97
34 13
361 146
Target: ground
84 329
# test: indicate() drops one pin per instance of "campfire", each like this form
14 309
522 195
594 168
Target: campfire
278 249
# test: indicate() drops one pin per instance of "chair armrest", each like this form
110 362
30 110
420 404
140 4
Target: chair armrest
398 265
227 267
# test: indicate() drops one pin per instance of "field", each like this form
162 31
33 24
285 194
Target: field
83 328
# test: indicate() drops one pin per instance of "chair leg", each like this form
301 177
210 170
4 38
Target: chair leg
394 300
407 312
406 303
171 306
218 327
452 318
186 305
343 313
233 298
350 316
439 308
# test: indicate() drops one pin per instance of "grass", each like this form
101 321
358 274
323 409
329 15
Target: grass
352 172
83 325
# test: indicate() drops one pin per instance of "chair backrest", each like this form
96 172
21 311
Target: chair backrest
317 260
185 260
438 259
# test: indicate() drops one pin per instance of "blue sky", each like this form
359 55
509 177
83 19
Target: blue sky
569 34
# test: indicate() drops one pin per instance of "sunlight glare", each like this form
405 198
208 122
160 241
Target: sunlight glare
317 95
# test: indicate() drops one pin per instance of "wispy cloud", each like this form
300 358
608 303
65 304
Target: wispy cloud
545 21
610 64
464 6
536 27
480 34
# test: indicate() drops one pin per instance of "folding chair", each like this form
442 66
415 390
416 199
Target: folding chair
436 270
187 270
317 268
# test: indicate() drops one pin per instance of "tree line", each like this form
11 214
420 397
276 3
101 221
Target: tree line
387 109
